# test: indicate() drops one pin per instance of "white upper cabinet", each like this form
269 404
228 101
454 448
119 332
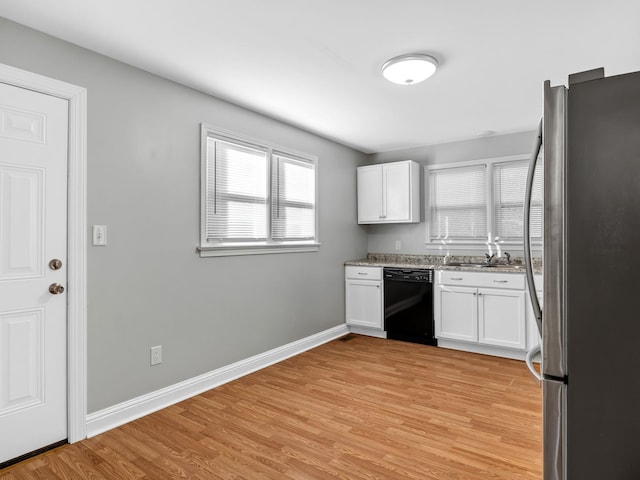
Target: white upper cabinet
389 193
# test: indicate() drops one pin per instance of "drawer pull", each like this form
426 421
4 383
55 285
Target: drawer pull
363 273
500 281
456 278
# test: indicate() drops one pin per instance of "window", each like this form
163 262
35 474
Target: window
458 203
482 202
293 208
509 185
256 198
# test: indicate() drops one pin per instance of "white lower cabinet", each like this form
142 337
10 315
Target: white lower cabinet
484 312
363 297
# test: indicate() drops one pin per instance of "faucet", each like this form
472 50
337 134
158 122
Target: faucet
508 255
489 257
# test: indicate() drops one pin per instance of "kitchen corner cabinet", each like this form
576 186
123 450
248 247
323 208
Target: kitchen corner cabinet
363 297
481 308
389 193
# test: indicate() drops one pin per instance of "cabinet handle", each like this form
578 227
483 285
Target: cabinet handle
456 278
363 273
474 294
479 294
500 281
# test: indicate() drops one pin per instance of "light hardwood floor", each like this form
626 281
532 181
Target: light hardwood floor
357 408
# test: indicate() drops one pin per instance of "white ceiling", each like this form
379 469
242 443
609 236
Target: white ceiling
316 63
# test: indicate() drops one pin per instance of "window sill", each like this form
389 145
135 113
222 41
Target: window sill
233 250
461 245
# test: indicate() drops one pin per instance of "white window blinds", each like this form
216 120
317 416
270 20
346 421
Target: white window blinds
458 203
509 185
256 198
236 194
293 199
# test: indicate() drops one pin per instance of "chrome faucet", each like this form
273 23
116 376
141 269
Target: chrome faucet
508 255
489 257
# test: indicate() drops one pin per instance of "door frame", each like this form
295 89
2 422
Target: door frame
76 238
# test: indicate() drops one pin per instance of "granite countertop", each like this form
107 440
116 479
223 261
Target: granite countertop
436 262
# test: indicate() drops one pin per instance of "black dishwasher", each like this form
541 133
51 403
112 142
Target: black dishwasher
408 305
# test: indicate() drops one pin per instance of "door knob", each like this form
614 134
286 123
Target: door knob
55 264
56 289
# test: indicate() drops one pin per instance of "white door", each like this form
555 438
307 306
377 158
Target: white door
370 194
396 187
501 318
458 312
364 303
33 232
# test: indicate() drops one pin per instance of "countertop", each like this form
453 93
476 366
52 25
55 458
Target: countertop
436 262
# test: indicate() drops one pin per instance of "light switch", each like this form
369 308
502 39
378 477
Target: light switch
99 235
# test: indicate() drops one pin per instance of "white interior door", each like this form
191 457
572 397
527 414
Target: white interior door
33 232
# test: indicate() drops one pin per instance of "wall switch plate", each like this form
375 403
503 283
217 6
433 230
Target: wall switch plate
156 355
99 235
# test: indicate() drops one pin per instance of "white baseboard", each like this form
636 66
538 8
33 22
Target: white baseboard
483 349
372 332
111 417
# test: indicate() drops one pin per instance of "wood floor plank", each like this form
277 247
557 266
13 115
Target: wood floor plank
361 409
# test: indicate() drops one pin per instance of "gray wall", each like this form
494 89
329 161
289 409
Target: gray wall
382 238
148 287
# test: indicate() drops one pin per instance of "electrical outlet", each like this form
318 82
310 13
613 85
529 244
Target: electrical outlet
156 355
398 245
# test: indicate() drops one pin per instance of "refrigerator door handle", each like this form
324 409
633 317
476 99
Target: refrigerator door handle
535 302
531 354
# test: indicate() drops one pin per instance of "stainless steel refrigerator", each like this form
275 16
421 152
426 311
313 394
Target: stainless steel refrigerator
590 322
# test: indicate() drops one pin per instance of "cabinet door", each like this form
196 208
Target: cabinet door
397 192
501 318
370 194
363 301
458 313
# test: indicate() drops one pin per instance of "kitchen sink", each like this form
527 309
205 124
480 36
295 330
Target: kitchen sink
465 264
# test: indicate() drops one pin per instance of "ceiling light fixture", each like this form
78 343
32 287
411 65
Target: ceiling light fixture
410 68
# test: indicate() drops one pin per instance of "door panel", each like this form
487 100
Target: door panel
33 231
369 194
458 311
396 178
501 318
364 303
21 222
21 363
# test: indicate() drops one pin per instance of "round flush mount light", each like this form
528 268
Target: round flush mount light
410 68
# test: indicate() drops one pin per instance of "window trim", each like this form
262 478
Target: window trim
209 249
489 242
